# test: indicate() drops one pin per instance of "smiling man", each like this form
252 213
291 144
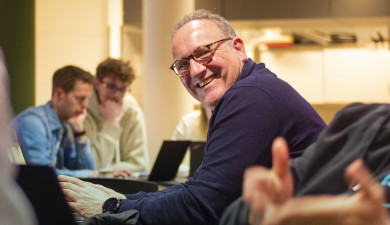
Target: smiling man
251 107
115 123
53 134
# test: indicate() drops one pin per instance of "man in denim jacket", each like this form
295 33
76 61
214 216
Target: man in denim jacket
53 134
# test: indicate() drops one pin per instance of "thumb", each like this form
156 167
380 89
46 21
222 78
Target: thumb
280 157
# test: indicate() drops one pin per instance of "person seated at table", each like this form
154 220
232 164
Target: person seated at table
115 122
358 131
251 107
53 134
193 126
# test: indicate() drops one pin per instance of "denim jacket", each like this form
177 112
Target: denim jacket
45 141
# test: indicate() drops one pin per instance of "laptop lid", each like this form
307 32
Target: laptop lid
15 154
168 160
196 155
41 187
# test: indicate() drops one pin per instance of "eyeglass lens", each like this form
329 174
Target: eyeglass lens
202 55
114 88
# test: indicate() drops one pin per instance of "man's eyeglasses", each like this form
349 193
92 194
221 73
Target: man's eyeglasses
203 55
113 88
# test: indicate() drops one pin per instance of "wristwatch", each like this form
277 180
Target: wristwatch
111 205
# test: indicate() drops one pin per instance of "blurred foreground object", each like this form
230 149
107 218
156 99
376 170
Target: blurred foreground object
14 206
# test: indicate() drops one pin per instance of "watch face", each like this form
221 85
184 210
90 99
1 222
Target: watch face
110 204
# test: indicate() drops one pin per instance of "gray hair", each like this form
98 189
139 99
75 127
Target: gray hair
203 14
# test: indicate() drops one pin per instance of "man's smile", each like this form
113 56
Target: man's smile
205 82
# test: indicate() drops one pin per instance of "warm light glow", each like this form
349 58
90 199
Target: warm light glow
115 42
115 21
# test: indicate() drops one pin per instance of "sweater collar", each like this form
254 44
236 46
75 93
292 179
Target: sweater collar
249 66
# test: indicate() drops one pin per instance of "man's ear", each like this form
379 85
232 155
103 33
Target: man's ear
238 45
96 82
59 93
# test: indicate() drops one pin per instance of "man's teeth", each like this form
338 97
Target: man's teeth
202 84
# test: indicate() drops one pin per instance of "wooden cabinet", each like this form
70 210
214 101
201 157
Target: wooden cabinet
359 8
295 9
215 6
337 75
274 9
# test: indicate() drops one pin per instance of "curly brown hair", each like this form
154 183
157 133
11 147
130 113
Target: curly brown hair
116 69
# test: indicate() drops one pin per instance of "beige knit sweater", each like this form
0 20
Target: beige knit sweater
130 136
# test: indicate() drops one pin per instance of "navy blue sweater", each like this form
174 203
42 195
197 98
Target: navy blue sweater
256 109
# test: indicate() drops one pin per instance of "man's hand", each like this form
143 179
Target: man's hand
364 207
119 170
111 111
263 186
76 122
85 198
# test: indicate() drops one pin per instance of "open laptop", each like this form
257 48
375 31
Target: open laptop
41 187
196 155
168 160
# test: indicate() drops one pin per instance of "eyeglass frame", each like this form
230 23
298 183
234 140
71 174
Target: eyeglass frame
115 88
172 67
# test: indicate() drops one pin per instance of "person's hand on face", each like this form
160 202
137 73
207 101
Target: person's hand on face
76 122
364 207
111 111
85 198
264 186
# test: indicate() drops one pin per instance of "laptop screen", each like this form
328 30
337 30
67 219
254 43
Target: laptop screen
168 160
42 189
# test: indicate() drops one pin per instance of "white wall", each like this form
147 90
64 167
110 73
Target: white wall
165 98
68 32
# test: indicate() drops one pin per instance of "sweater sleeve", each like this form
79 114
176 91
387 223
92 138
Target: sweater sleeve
103 142
133 141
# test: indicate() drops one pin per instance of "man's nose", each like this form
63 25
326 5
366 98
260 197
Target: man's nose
118 94
196 68
84 104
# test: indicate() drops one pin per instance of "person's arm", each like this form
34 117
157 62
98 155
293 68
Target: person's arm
103 142
84 197
77 153
133 141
